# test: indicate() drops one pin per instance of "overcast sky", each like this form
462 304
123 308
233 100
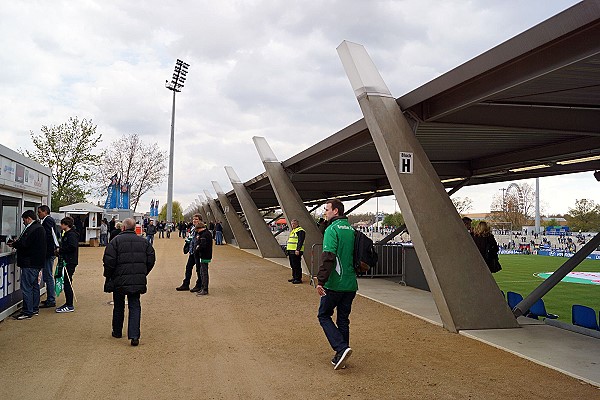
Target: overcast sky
265 68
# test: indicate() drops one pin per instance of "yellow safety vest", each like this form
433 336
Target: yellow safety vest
292 242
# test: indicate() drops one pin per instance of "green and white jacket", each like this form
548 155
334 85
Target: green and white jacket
337 272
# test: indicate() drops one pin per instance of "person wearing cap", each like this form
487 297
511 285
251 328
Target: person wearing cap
203 250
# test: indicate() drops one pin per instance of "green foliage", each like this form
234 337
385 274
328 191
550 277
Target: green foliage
356 217
550 222
517 275
67 150
177 212
395 219
584 216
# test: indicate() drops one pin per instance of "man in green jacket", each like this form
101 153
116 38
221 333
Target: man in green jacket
337 283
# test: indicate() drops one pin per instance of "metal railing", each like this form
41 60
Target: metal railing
391 262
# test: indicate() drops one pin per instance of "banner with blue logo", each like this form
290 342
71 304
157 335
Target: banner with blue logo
10 283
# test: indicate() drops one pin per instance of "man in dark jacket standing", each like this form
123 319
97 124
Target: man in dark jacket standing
31 255
49 225
203 241
150 232
128 259
191 243
69 253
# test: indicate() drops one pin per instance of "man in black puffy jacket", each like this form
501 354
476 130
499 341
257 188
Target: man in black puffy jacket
128 259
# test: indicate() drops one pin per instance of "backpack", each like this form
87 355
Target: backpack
365 256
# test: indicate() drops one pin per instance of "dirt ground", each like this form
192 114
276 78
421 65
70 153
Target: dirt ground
255 336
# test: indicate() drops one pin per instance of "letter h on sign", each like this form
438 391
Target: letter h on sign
406 163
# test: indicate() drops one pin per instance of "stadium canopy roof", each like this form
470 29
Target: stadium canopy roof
529 107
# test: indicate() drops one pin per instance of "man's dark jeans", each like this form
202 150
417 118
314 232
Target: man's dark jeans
338 336
203 275
188 271
48 277
68 284
135 314
31 290
296 265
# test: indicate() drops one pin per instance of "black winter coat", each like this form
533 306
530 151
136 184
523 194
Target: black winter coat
69 247
114 233
203 241
128 258
50 226
488 247
31 247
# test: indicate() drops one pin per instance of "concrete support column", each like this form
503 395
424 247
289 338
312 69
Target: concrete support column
201 209
288 198
266 242
242 236
208 212
465 293
227 234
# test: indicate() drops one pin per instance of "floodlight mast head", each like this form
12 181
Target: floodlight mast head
179 76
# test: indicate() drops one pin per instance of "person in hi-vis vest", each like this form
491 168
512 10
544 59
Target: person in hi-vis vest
295 248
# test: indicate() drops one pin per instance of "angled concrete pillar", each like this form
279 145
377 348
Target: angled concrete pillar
266 242
227 234
242 236
288 198
209 215
466 295
201 209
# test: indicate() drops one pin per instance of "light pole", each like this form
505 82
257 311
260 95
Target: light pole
176 84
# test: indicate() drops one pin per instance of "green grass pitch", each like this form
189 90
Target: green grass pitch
517 275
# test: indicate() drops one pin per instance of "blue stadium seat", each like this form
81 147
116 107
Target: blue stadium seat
584 316
513 299
538 309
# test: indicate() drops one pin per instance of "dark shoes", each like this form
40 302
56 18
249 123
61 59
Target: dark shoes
202 293
182 288
340 358
291 280
134 342
195 289
22 316
45 304
296 281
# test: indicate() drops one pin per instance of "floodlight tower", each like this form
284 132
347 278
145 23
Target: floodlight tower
176 84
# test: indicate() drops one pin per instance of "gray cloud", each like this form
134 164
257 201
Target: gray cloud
266 68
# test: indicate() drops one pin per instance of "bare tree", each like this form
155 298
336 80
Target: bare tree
140 164
516 205
462 205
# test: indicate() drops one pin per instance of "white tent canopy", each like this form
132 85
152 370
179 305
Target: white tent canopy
81 208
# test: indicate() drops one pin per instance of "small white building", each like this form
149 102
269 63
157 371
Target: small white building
24 185
87 219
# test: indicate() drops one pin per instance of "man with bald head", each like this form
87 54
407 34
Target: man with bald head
128 259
